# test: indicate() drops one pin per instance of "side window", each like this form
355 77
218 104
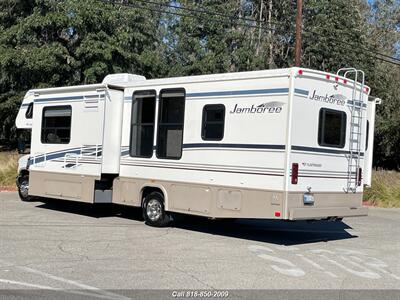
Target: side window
56 125
142 124
29 111
213 122
332 128
170 123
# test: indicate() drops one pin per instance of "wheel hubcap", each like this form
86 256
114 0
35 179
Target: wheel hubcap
24 188
154 210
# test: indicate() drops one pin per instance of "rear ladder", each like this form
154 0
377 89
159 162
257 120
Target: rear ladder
356 123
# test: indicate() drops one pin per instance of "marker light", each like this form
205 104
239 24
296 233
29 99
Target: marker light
277 214
295 173
336 79
366 89
345 81
300 72
328 77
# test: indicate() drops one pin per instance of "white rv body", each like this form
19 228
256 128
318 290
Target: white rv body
271 124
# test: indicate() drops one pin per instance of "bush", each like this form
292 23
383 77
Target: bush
385 189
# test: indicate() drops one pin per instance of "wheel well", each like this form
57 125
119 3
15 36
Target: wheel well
149 189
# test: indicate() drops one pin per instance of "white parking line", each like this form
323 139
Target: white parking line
45 287
72 282
96 292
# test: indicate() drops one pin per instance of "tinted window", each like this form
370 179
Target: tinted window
29 111
170 123
332 128
142 123
56 125
213 122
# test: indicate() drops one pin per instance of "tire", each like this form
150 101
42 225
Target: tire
154 212
23 189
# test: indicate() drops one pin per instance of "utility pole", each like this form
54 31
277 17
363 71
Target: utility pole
299 17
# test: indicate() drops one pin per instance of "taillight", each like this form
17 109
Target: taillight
295 173
359 176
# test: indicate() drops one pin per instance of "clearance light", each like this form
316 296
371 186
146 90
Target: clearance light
336 79
328 77
345 81
300 72
295 173
277 214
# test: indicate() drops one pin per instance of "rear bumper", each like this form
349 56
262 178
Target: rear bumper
305 213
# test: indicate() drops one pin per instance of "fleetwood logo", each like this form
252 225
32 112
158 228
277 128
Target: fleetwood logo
264 108
337 99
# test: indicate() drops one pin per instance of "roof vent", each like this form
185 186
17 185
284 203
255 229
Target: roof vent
122 78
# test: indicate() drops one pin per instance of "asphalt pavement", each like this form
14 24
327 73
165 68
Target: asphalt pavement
103 251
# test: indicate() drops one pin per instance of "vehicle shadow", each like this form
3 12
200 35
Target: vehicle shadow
91 210
271 231
268 231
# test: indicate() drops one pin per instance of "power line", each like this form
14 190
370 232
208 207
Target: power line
359 47
244 19
232 19
348 47
112 2
204 11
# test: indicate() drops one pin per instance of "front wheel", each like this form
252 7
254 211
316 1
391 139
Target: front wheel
154 211
23 189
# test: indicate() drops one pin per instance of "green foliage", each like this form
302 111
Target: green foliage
56 43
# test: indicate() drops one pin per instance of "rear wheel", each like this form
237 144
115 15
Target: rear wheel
154 212
23 188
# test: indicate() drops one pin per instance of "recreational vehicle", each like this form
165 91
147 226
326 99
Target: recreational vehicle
292 144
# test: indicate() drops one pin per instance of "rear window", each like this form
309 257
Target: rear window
332 128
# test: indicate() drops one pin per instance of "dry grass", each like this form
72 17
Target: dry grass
8 168
385 189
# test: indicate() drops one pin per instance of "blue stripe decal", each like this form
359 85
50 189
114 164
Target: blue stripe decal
239 92
236 146
70 98
61 153
302 92
59 98
321 150
53 156
357 103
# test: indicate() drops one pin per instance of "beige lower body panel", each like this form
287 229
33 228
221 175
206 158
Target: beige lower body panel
203 200
74 187
326 212
326 205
